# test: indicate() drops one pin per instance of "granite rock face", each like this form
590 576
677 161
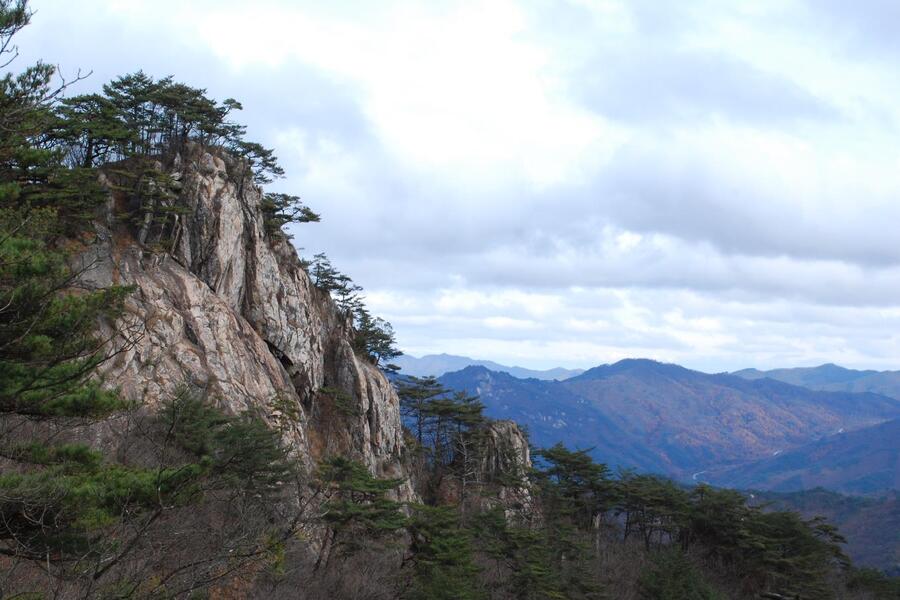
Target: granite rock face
507 450
508 456
222 306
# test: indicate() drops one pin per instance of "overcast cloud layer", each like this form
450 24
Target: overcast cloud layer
565 183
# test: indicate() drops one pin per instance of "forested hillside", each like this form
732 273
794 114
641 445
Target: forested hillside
863 461
663 418
188 409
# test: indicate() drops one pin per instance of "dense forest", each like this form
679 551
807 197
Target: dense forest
192 501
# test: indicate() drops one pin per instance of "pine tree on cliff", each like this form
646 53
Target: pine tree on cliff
48 348
374 337
280 210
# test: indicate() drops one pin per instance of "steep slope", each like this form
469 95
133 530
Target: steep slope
228 310
863 461
684 422
439 364
831 377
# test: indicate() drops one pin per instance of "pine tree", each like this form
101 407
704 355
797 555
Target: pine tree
671 576
48 348
523 557
357 510
440 556
280 210
374 337
573 484
415 395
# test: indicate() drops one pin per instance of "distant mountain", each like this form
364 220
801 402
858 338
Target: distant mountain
863 461
668 419
833 378
438 364
869 524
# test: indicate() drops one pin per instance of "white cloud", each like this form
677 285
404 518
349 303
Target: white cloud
455 90
570 182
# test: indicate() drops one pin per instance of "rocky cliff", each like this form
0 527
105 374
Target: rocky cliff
218 305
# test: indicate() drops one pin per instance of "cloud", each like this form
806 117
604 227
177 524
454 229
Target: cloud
660 85
864 26
565 182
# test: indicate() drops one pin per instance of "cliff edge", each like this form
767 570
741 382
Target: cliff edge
219 305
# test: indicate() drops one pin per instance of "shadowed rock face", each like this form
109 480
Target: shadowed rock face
221 306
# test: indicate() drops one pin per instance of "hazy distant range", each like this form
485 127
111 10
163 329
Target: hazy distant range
833 378
438 364
827 377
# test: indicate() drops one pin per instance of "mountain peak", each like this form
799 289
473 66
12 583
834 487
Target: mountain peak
634 365
477 370
831 367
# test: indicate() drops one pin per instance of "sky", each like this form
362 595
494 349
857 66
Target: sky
564 183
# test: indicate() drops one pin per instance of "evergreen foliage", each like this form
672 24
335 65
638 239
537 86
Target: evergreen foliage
82 514
874 582
373 337
580 500
138 117
55 494
416 395
441 556
357 508
61 512
671 576
280 210
572 491
451 432
573 485
234 452
522 556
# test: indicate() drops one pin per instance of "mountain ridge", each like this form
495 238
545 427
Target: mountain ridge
832 377
672 420
439 364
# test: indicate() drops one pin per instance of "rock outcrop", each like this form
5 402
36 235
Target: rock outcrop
507 459
220 305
